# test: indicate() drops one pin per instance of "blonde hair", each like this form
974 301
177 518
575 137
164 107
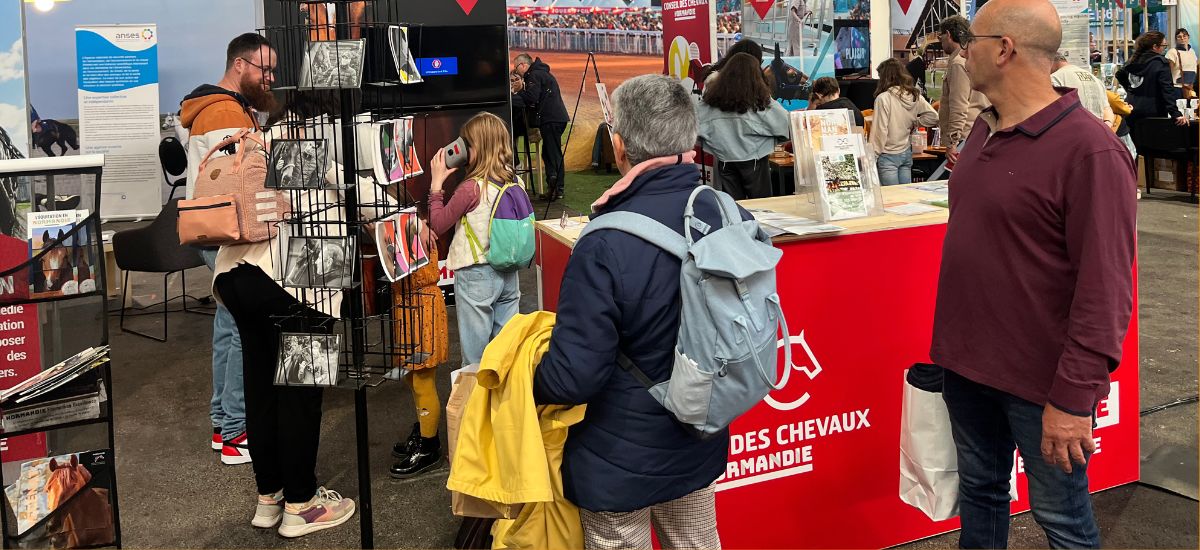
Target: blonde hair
487 135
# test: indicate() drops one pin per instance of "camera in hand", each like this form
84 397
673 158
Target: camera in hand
457 154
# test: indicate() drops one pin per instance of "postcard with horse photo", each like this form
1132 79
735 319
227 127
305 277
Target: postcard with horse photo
307 359
332 65
298 164
319 262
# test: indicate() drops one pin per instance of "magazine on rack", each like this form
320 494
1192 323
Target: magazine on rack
402 56
842 189
830 131
70 494
67 267
400 249
395 151
54 377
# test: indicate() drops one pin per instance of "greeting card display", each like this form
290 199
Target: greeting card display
297 164
308 359
319 262
401 251
332 64
395 151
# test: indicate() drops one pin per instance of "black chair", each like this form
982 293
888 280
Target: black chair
155 249
172 155
1160 137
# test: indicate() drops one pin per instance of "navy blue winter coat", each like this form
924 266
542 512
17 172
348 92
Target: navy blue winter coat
622 293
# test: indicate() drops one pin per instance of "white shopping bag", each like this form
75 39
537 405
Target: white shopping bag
928 464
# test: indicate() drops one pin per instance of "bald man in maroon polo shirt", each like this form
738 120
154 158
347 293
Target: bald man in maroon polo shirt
1036 288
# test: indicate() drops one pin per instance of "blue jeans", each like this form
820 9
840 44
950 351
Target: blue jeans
485 300
895 168
987 423
227 408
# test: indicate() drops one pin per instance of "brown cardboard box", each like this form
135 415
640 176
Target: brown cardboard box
460 504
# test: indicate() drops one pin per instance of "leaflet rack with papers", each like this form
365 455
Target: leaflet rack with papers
60 498
835 167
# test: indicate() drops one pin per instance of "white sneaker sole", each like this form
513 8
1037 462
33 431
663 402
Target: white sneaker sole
293 531
266 522
235 460
216 446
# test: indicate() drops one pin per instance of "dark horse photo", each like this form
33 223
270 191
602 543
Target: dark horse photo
48 132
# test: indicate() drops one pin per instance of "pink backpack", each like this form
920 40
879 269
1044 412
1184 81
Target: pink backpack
230 204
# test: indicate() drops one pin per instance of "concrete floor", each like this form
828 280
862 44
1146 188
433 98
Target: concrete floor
175 493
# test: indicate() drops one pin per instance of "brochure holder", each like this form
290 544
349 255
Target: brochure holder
54 265
835 170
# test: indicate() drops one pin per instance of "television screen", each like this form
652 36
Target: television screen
852 39
460 66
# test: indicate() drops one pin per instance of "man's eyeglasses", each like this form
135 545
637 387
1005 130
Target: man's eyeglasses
972 38
266 70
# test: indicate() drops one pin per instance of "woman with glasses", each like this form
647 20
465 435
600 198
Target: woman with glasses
1147 79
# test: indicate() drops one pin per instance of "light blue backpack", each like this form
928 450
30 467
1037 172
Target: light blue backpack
725 354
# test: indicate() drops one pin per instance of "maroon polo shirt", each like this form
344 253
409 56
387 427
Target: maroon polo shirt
1036 286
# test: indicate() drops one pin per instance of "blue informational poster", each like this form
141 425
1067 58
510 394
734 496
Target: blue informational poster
117 76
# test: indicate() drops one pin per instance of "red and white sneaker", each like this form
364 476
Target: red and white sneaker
236 451
217 444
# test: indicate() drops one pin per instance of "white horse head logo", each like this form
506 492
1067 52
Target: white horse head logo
811 368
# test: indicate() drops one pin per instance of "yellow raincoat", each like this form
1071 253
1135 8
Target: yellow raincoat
510 450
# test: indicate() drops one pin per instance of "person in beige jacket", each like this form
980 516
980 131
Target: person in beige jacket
960 104
899 107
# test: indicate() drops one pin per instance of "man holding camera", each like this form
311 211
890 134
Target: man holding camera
538 89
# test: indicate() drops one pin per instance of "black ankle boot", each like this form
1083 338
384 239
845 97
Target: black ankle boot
409 446
427 455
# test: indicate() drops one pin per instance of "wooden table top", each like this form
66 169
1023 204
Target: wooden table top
795 205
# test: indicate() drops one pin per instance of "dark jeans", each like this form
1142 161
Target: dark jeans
552 156
746 179
987 423
283 424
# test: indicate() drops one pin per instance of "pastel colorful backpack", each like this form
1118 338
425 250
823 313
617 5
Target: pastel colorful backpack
510 229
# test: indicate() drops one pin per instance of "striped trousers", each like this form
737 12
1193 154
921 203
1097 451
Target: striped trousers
688 522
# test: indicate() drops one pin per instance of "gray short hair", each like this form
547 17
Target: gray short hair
654 116
523 58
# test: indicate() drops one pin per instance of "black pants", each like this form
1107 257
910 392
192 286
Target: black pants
746 179
283 424
552 156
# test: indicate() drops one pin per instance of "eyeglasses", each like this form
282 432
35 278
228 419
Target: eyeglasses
972 38
266 71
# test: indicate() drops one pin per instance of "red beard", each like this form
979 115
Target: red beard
261 99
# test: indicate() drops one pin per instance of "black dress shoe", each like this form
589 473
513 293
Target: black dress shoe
409 446
427 456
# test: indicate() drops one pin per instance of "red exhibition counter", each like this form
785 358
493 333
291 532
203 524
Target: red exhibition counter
816 465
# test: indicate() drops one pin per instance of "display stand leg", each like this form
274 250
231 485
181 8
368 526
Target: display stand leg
365 517
591 60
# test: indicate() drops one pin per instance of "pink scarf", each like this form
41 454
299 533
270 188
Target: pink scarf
626 180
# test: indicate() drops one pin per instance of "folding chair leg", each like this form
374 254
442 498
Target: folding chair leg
166 310
183 281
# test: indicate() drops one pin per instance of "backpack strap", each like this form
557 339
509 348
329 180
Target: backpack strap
627 365
642 227
472 238
725 205
237 137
